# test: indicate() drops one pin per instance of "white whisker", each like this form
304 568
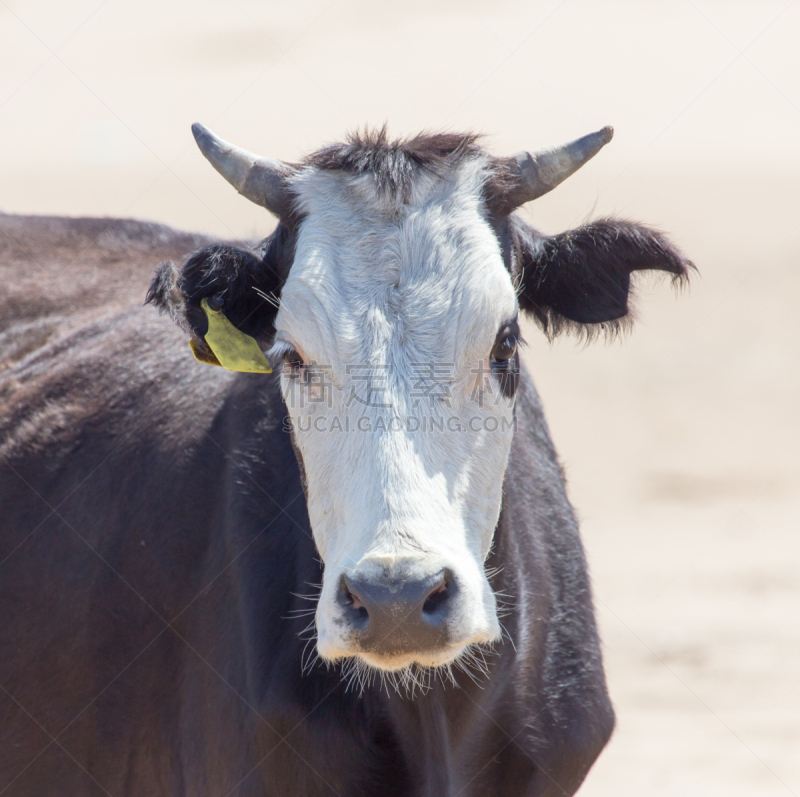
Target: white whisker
269 298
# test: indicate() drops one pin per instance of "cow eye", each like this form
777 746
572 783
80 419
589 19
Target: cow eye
504 350
292 360
505 346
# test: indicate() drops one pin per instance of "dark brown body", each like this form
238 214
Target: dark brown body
154 543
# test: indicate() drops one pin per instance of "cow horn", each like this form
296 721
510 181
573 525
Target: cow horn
262 180
535 173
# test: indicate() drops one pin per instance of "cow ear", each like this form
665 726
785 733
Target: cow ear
246 288
581 278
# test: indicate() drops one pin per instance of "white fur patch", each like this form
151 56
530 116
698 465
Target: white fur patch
403 431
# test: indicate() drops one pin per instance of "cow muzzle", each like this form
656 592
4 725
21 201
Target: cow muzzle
392 617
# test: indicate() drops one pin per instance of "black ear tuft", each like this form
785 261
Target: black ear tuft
235 279
164 293
582 277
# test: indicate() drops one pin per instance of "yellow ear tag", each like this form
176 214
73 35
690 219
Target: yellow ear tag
233 349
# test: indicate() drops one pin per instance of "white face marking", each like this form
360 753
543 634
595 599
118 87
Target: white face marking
403 430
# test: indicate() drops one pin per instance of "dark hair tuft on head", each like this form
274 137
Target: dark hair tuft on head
392 163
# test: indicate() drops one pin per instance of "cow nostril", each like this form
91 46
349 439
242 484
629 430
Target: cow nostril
436 598
356 604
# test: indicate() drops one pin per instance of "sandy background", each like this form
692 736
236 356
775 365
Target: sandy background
681 444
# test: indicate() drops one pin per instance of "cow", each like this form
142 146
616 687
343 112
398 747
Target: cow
353 570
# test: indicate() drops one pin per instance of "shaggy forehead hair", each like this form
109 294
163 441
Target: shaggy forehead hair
395 164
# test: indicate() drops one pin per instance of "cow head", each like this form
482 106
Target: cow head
390 294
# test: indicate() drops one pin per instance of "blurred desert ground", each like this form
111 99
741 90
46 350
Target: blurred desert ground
682 443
